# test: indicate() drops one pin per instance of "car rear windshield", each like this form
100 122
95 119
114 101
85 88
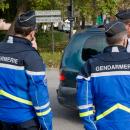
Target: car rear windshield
93 46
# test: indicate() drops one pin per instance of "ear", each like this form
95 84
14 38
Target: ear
32 34
125 43
128 29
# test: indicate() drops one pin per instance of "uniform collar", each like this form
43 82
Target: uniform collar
15 39
128 40
115 48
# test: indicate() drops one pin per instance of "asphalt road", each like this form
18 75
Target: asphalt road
64 119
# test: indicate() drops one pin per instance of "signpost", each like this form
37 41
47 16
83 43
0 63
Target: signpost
49 16
71 17
48 13
48 19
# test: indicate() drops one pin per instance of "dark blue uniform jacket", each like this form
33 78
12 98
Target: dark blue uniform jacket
23 86
103 91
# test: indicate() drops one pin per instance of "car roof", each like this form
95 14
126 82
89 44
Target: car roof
73 51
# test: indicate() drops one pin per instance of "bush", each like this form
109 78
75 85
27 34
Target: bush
2 35
44 40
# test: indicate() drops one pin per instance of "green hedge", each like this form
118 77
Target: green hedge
2 35
44 40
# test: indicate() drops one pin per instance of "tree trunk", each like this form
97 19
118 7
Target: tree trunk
83 22
77 24
22 6
94 12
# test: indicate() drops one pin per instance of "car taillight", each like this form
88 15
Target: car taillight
62 77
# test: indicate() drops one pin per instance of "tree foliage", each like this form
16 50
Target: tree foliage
123 4
83 9
107 6
4 5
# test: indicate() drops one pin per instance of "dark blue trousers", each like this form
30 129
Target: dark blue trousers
28 125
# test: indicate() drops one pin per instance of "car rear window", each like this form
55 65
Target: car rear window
93 46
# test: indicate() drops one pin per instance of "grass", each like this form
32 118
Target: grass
51 60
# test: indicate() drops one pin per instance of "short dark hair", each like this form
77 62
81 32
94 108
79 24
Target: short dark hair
23 30
126 21
116 39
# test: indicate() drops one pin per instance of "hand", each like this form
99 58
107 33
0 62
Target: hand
34 43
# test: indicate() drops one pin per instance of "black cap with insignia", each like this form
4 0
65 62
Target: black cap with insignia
114 28
27 19
123 15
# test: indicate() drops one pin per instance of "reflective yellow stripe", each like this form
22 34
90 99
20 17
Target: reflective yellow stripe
107 112
44 113
124 108
83 114
110 110
3 93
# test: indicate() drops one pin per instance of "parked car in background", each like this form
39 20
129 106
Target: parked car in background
66 26
55 25
80 48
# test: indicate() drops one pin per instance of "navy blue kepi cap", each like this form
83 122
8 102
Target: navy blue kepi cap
114 28
123 15
27 19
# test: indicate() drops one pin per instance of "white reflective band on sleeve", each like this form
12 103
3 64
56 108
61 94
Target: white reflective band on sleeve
42 107
82 77
110 73
8 66
85 106
35 73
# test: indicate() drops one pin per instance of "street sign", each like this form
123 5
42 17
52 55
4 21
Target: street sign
48 16
48 19
48 13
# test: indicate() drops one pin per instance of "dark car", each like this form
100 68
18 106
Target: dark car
81 47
